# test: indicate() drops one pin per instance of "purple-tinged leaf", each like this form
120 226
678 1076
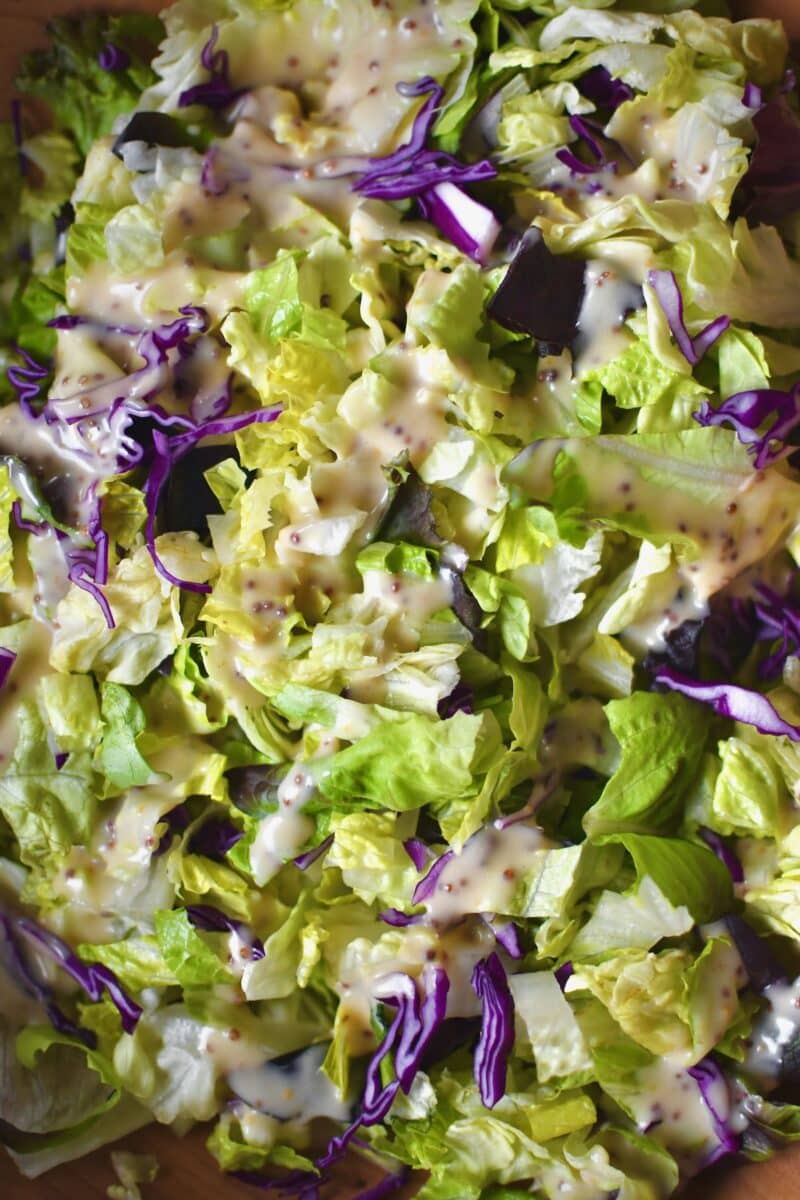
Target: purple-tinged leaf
418 852
724 853
603 88
304 861
770 188
746 412
427 884
217 92
7 660
668 294
213 920
729 700
112 58
541 293
490 984
762 966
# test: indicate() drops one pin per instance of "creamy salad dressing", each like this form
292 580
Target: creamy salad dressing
776 1029
487 873
608 299
32 662
293 1090
282 834
669 1106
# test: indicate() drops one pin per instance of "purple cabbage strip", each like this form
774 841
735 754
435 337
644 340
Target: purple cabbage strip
461 699
563 973
176 820
427 884
490 984
217 92
386 1186
7 660
597 144
304 861
60 1022
745 412
113 58
409 1036
168 451
724 853
777 617
212 920
27 382
411 170
37 528
752 97
94 978
214 839
399 920
603 88
507 936
729 700
87 567
470 226
418 852
709 1078
665 286
153 344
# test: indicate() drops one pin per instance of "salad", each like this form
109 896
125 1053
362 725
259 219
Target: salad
400 634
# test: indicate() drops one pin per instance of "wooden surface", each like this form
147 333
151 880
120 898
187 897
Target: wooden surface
187 1171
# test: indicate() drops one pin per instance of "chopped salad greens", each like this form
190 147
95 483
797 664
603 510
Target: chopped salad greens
400 634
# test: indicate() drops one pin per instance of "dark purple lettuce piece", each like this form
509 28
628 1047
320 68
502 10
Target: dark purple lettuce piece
761 964
113 58
729 700
681 647
490 984
410 517
461 699
154 129
770 188
541 293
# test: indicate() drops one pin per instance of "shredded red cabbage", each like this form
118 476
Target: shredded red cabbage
87 567
94 978
746 412
427 884
433 176
27 381
217 92
303 1184
563 973
723 853
777 620
714 1090
729 700
496 1039
598 145
418 852
112 58
409 1036
7 660
213 920
398 919
665 286
507 936
752 97
40 991
603 88
304 861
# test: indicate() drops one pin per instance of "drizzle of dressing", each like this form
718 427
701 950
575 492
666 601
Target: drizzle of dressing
670 1108
774 1031
32 662
282 834
608 298
293 1090
485 876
